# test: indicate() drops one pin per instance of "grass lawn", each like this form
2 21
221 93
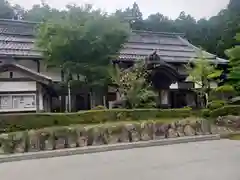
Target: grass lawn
161 120
119 123
235 137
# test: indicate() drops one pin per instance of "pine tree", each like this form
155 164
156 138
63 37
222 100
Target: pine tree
234 55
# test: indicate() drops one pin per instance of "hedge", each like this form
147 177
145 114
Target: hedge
22 122
216 104
226 110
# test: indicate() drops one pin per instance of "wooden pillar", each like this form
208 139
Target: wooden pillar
104 101
37 97
50 103
63 102
164 98
38 66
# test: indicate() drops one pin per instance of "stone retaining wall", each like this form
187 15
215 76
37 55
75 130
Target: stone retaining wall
80 136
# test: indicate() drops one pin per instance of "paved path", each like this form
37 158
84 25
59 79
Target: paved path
212 160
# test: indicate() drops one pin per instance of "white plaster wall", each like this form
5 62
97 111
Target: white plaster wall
174 86
30 64
54 73
17 86
4 75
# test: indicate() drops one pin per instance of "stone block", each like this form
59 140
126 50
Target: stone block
20 142
147 131
161 130
33 141
81 136
134 132
189 131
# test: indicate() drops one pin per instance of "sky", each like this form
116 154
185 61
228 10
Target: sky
171 8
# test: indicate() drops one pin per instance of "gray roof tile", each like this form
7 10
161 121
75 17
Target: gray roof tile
169 46
17 39
20 53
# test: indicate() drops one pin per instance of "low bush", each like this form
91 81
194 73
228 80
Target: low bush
21 122
216 104
205 113
226 110
99 108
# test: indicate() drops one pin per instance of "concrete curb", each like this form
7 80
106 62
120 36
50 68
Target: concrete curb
229 134
104 148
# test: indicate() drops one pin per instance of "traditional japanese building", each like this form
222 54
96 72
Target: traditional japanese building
27 85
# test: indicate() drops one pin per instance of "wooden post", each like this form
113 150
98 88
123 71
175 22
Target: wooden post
104 101
37 97
69 98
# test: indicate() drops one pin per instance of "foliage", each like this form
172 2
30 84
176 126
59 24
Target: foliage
234 75
7 11
235 137
214 35
201 71
40 13
81 42
225 88
132 85
205 113
21 122
216 104
226 110
99 107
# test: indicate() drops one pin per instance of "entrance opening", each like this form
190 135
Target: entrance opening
82 102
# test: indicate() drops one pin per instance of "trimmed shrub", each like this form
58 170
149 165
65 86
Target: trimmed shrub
226 110
99 107
21 122
216 104
205 113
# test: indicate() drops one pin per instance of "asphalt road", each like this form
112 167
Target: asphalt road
212 160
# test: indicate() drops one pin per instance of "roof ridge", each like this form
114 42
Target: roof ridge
159 33
32 71
18 21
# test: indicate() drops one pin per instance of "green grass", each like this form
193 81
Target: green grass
22 122
235 137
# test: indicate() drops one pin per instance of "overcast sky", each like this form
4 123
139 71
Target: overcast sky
171 8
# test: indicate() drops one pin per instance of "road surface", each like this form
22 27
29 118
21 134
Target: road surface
212 160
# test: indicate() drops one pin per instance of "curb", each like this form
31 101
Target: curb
229 134
104 148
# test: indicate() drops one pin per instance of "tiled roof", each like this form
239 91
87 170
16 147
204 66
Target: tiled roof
171 47
32 74
17 40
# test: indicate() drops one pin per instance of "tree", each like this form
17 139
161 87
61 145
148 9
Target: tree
19 12
40 13
134 89
234 75
82 42
201 71
6 11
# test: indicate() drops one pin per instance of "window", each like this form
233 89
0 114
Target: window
10 74
5 102
23 101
